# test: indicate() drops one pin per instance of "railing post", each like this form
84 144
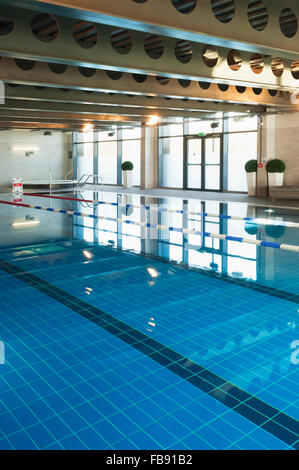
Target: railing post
50 179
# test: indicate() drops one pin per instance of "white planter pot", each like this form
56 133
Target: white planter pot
275 179
251 184
128 178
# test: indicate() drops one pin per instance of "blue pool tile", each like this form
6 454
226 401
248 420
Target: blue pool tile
5 444
250 444
110 432
40 435
125 444
8 424
195 442
21 441
125 425
145 442
57 427
91 438
82 387
160 434
73 443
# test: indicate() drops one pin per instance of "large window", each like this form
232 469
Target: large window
171 154
229 140
107 161
171 163
242 146
84 153
102 153
131 151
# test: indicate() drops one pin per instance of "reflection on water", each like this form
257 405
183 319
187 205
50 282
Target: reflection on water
237 260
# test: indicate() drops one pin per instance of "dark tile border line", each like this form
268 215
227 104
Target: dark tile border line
255 410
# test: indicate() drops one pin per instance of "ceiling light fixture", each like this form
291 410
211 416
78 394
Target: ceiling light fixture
88 127
153 120
18 148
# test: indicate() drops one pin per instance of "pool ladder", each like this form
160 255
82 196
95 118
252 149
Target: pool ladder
84 179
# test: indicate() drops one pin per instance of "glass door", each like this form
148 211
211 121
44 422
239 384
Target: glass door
212 177
194 164
203 163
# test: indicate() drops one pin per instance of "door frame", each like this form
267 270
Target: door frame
203 159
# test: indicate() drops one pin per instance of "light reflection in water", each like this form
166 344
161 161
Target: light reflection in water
239 260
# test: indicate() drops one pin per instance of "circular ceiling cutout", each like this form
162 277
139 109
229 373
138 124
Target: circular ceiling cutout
57 68
87 71
183 51
25 64
288 23
234 60
210 56
121 40
224 10
114 74
6 27
184 6
162 80
257 63
277 67
295 69
258 15
45 27
85 34
153 46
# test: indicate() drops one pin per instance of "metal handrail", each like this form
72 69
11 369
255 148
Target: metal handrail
68 174
95 178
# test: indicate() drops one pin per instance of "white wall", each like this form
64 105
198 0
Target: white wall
281 140
52 154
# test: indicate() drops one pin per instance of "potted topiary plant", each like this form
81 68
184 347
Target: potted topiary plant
275 169
127 168
251 169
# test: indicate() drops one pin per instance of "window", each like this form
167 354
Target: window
171 162
224 158
115 146
131 150
85 153
242 146
107 163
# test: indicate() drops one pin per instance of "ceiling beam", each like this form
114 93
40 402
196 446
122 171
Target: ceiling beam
64 117
200 25
184 61
23 124
151 103
39 74
92 112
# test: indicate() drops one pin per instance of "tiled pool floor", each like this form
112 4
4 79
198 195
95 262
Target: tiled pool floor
106 349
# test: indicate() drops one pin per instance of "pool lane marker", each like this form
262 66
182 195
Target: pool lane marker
265 416
279 223
266 244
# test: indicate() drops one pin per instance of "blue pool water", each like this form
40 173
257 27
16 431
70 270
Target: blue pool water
120 337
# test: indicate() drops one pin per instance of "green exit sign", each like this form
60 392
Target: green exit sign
201 134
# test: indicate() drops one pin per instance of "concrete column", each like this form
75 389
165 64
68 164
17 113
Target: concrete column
149 157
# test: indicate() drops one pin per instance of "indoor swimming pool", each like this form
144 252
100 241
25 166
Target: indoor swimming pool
128 322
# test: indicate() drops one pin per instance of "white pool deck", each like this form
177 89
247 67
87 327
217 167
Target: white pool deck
174 193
